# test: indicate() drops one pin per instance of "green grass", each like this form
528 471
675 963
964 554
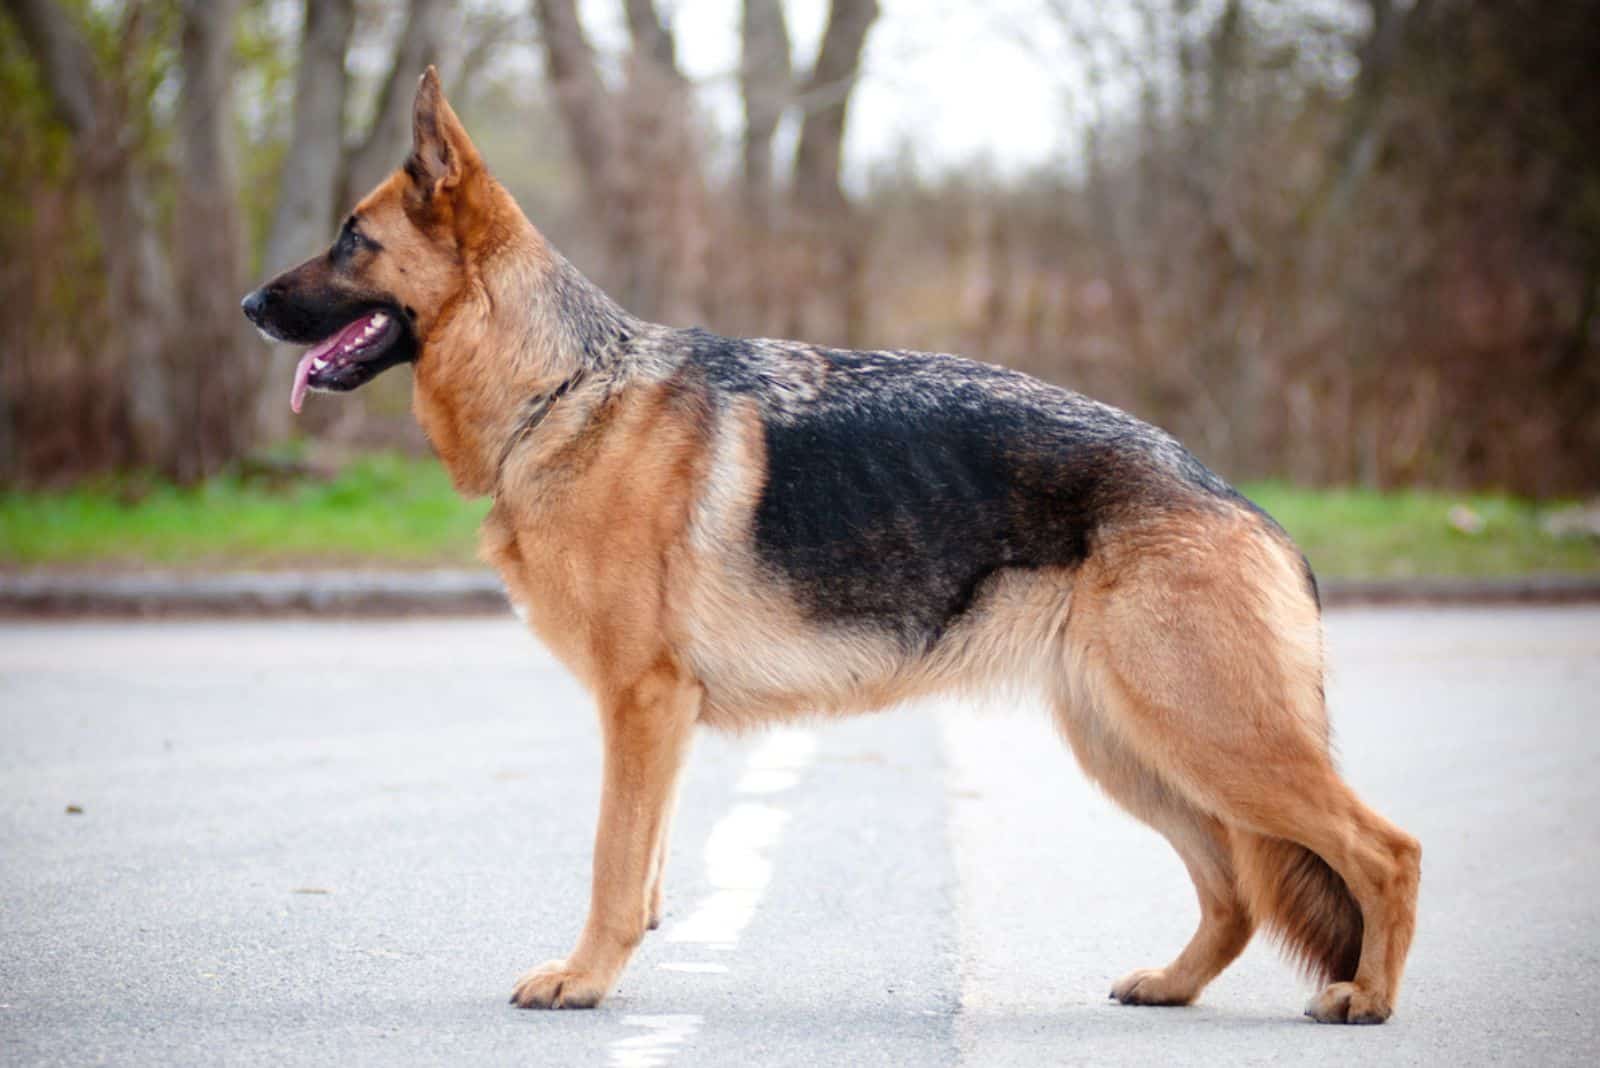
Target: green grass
380 510
387 511
1353 533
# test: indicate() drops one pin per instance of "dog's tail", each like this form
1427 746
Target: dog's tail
1303 903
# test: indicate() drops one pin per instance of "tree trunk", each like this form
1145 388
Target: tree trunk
638 159
138 271
1359 143
826 103
832 246
765 80
650 36
581 97
428 24
766 83
214 378
309 184
671 227
594 134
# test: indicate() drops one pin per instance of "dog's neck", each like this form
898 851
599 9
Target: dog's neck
526 328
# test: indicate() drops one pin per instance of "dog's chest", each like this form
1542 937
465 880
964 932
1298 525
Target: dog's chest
590 603
584 545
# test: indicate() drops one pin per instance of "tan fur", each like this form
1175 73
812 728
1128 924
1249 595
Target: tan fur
1184 659
1198 653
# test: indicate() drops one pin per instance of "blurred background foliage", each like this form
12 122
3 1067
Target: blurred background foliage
1346 242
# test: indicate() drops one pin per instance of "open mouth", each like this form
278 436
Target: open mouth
347 358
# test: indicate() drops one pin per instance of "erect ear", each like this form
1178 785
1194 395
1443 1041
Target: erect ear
442 155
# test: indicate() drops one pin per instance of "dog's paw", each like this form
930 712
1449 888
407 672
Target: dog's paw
1150 986
557 985
1348 1003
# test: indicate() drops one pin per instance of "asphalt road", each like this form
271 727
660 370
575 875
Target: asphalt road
342 842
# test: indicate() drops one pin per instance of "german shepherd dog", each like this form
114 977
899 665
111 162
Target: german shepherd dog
726 532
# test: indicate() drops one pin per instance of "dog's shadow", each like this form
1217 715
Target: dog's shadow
1081 1033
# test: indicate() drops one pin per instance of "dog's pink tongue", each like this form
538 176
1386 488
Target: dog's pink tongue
302 376
302 372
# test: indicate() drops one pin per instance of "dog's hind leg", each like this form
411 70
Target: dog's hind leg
646 728
1203 649
1201 842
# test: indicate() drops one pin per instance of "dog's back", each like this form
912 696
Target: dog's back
898 483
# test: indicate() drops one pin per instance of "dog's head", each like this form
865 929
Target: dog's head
371 301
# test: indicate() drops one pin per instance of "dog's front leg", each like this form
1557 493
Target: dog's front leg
646 729
658 865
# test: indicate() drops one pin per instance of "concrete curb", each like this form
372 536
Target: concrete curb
480 592
254 593
1522 589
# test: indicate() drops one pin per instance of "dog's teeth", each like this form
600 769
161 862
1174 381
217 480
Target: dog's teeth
378 320
319 363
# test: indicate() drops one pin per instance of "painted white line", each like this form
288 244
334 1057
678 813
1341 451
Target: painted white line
738 866
777 764
767 781
652 1049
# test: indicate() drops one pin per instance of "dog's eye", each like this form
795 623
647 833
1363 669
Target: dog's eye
350 242
344 247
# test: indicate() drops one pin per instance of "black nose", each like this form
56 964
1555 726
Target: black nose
254 304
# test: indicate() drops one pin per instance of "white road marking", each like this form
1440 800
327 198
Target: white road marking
738 867
767 781
653 1048
738 864
776 766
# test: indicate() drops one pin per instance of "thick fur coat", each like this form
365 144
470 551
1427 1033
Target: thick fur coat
728 533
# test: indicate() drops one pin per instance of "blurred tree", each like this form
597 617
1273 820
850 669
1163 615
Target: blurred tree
174 345
766 83
825 103
99 110
429 24
308 185
1493 108
212 387
324 173
833 242
1342 240
638 151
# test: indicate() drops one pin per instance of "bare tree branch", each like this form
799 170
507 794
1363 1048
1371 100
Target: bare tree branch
650 35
